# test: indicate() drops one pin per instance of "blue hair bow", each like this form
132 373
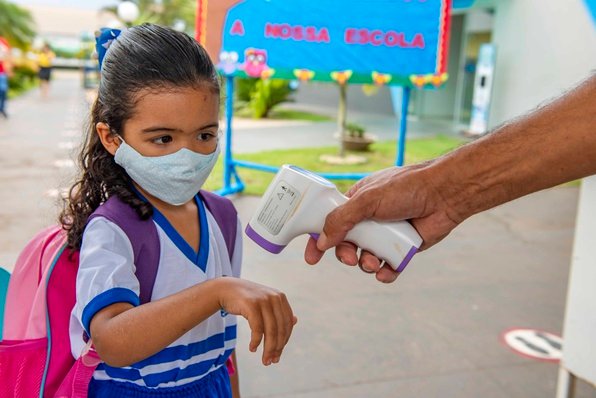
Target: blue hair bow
103 40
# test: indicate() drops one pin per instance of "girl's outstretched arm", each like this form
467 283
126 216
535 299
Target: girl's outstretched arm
123 334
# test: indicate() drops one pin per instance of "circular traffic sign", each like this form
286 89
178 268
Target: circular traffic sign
534 344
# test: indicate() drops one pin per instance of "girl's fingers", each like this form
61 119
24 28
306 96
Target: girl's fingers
282 328
271 321
255 322
271 327
289 318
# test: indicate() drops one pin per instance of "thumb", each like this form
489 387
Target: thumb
342 219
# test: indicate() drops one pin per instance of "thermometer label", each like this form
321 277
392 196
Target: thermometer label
279 207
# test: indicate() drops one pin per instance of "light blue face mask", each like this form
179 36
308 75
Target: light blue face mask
175 178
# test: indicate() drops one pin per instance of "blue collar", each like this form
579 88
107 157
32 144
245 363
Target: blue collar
200 258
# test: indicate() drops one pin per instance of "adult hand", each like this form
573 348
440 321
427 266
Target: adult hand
405 193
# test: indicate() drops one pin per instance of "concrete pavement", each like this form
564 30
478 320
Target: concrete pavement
434 333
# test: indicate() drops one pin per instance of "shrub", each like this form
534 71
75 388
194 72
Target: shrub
22 79
267 94
261 96
355 130
244 87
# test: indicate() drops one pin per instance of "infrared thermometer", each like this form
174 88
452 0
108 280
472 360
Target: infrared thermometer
297 202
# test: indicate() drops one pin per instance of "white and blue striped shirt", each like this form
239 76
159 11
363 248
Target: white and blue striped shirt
107 275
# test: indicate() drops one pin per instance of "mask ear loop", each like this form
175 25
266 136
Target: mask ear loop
116 134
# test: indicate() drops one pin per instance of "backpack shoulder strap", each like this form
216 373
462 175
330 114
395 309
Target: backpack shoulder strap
25 307
143 237
225 215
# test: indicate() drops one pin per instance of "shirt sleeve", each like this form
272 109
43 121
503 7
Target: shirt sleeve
237 256
106 272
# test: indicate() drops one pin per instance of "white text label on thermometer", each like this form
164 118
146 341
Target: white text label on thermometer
279 207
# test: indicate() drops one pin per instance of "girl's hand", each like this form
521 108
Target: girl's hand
267 311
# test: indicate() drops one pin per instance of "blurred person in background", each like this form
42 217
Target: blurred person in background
5 70
44 60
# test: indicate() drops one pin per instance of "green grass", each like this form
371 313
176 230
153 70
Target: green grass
281 113
284 114
381 156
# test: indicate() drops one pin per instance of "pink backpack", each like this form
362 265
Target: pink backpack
35 353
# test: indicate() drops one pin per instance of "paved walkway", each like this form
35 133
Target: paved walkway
434 333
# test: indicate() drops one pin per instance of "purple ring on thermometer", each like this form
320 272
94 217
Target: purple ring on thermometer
264 243
406 260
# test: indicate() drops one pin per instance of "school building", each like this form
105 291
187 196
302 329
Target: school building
543 47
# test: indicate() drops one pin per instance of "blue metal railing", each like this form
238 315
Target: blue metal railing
234 184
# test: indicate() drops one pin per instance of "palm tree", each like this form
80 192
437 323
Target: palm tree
16 24
164 12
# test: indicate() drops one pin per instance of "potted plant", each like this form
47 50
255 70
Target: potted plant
355 138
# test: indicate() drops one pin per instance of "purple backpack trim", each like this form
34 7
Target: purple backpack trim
225 215
143 238
145 241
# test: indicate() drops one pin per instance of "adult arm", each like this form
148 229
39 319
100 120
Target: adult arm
551 145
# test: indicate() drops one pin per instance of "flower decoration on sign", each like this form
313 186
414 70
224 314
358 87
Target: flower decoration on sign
304 75
341 77
228 62
255 63
434 79
439 79
267 73
380 79
420 80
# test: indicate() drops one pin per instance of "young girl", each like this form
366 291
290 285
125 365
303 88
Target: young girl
152 143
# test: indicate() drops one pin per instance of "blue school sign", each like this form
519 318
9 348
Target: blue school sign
385 42
396 42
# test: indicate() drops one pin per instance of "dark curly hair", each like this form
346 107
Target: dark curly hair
144 57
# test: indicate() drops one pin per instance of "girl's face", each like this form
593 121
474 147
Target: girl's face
167 120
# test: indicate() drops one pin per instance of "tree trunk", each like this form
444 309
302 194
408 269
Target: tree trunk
341 117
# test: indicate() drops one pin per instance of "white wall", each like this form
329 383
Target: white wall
579 350
543 48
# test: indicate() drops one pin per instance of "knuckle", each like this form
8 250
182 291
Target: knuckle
258 329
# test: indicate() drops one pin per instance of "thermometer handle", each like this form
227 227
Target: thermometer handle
394 242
